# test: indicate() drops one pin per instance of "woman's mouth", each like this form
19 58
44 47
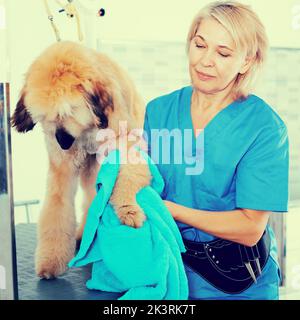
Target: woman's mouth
204 77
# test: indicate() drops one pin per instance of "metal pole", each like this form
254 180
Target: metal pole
8 262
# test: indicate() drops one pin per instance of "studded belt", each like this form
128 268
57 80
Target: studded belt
227 265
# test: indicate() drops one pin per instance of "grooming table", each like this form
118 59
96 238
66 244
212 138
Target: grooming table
70 286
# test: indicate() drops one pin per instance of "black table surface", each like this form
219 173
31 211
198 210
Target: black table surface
70 286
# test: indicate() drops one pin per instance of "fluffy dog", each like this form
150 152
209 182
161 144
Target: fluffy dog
74 91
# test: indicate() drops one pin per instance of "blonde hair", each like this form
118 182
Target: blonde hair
247 32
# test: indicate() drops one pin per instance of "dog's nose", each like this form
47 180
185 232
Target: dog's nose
64 139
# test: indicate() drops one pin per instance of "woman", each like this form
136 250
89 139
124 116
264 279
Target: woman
222 211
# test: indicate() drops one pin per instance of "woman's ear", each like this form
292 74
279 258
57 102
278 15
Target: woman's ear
21 119
246 65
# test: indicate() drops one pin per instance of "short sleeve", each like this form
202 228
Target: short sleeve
262 175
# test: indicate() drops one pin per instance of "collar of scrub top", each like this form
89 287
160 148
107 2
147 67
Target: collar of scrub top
217 124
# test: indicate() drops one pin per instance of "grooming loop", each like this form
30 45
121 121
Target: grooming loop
71 12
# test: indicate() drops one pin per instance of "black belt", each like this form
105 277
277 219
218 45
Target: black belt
227 265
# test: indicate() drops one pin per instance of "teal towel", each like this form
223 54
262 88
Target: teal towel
145 263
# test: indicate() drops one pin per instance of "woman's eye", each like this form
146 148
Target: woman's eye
224 55
199 46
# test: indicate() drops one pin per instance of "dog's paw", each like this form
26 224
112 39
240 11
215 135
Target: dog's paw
131 215
49 268
51 258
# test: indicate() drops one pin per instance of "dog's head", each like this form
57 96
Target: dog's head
67 92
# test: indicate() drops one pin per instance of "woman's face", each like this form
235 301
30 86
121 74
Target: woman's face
214 61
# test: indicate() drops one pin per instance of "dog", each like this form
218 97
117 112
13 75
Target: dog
73 92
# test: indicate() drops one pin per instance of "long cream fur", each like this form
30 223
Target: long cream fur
80 90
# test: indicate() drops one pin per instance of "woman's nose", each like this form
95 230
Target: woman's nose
207 59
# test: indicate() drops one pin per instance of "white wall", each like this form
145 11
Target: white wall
29 33
169 20
3 41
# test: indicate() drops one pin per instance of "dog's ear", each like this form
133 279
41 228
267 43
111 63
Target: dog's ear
21 119
100 101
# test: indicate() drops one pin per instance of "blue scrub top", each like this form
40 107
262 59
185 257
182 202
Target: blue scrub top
243 162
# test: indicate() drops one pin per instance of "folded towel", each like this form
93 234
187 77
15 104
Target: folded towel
145 263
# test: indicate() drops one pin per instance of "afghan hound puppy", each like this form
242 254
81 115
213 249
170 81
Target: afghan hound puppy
73 92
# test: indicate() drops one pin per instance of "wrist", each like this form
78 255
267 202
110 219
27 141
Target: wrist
176 211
